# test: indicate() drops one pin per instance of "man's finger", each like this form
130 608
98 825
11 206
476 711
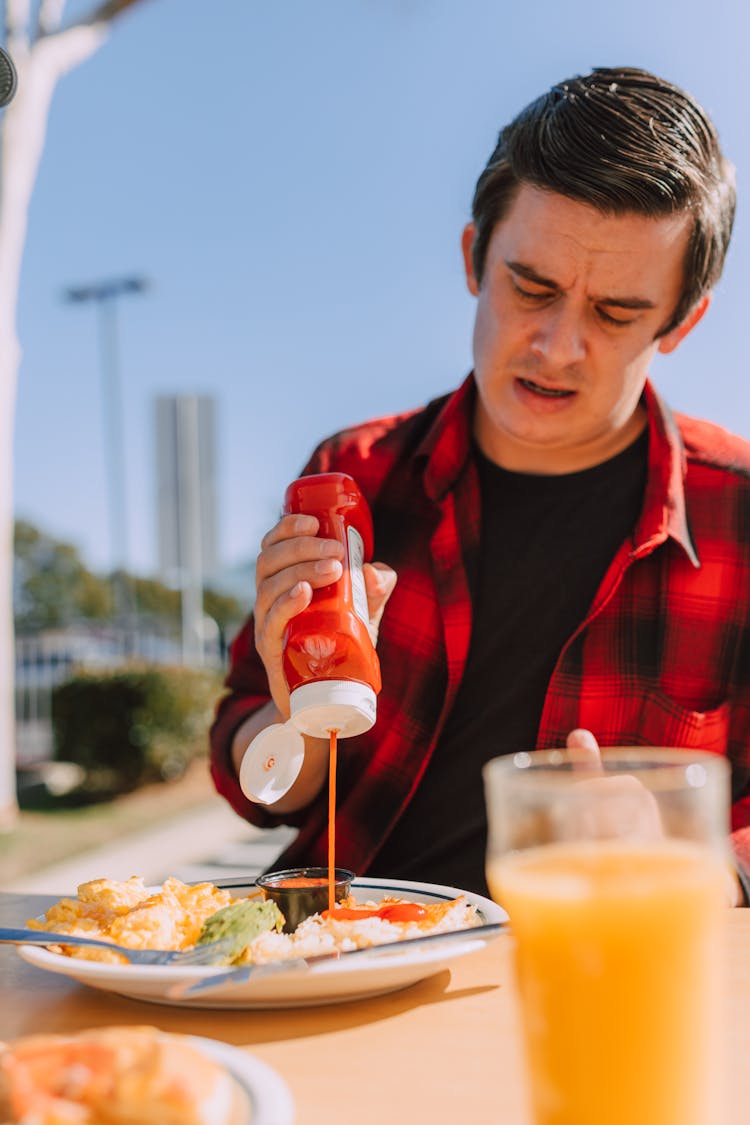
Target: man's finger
379 583
583 750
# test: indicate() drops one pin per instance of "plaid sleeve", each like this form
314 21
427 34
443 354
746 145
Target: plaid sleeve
247 691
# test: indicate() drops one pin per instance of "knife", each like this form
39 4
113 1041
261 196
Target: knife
187 988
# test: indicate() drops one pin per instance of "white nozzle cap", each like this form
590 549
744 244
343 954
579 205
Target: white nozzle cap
346 706
272 763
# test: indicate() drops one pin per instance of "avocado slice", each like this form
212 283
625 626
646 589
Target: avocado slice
239 923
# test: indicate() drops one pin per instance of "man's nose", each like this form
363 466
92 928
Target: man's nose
558 337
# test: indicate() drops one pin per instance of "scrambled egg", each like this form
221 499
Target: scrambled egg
131 914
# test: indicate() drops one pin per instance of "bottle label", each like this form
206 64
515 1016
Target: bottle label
356 559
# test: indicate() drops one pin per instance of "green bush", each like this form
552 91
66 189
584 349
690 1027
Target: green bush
133 725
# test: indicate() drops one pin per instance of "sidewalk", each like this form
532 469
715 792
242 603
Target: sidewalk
208 843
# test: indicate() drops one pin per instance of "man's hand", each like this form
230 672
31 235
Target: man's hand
629 808
623 807
292 563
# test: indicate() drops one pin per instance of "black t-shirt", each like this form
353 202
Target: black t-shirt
546 543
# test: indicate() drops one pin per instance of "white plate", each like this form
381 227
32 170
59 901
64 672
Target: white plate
329 982
269 1095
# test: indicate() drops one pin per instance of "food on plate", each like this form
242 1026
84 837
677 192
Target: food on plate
116 1076
131 914
358 925
178 916
239 923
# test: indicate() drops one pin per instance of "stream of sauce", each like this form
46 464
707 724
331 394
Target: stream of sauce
390 912
332 746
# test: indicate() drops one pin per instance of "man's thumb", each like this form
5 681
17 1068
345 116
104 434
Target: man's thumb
583 749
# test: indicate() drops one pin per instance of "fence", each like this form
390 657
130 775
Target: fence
44 660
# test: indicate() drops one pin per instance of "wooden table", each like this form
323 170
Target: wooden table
444 1050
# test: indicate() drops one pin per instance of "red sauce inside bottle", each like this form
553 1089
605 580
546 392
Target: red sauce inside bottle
329 639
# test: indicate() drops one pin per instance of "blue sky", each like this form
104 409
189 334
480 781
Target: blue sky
293 178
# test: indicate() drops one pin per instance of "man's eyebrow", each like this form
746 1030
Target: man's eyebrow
614 302
626 302
531 274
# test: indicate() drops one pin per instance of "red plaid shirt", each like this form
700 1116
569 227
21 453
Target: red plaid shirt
662 659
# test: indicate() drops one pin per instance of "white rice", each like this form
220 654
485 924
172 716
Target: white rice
316 935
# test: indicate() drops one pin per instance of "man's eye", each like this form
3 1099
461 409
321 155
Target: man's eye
609 319
531 295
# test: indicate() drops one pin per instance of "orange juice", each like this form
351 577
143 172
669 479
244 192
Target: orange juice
619 951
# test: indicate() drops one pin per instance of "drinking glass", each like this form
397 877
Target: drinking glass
615 880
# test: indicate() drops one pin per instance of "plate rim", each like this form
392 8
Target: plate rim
271 1099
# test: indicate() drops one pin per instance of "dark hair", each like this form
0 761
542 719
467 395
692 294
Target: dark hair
621 140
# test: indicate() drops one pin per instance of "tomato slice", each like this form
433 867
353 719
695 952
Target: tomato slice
389 912
403 912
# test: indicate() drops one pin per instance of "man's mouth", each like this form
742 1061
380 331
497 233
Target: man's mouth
546 392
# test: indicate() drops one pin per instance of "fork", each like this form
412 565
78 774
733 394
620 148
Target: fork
212 953
240 974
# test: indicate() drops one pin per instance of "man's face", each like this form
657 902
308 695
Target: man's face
568 310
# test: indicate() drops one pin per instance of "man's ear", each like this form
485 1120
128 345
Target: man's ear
467 245
669 342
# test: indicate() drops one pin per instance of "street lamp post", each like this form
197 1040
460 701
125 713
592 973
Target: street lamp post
105 294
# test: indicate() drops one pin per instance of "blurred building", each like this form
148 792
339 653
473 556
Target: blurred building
186 506
186 485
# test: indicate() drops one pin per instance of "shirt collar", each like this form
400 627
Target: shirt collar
664 513
448 443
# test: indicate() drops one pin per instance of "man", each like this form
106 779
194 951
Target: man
568 555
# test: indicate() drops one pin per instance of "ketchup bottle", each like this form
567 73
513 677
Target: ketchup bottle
330 664
329 661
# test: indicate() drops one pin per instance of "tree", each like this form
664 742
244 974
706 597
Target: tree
44 48
52 586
